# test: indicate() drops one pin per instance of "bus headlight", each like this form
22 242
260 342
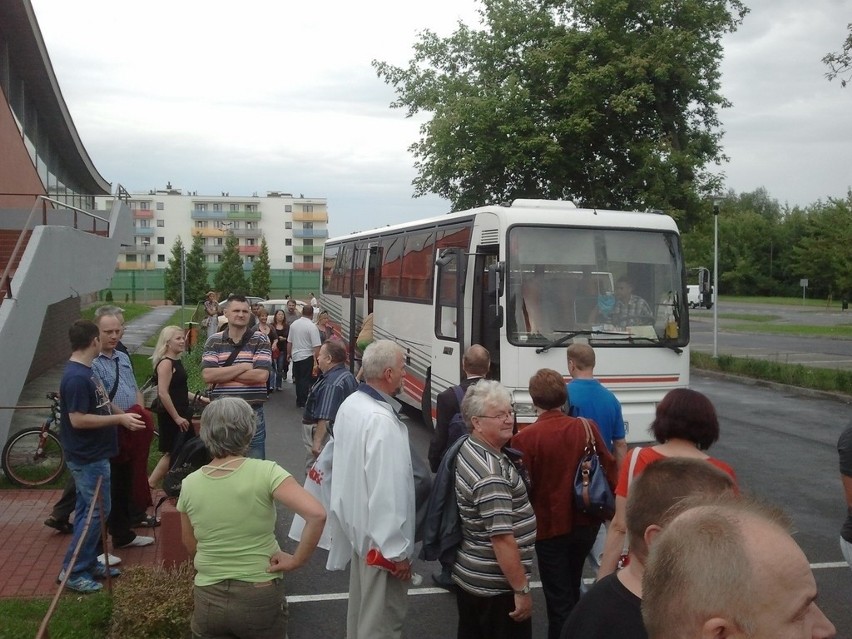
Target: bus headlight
525 412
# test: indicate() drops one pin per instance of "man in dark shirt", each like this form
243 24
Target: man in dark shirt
88 435
475 364
611 609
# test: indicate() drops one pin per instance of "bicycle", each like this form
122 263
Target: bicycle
33 456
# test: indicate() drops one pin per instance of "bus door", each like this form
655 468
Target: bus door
448 342
486 315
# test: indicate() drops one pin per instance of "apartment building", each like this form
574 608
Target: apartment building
295 227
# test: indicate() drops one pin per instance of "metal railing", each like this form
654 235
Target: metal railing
6 279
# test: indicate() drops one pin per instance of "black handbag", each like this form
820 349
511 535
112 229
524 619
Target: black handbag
592 494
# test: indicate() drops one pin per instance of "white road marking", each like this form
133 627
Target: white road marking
414 592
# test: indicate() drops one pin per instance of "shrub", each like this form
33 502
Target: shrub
152 602
109 296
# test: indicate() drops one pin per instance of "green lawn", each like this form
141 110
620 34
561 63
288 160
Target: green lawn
748 317
76 617
131 311
784 301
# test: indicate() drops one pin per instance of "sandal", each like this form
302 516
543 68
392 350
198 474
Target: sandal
148 521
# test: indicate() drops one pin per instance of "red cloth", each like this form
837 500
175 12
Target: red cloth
135 446
552 448
649 456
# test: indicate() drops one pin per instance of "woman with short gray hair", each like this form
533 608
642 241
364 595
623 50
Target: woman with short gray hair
494 561
228 526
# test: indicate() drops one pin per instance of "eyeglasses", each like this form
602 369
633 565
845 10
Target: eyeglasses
501 416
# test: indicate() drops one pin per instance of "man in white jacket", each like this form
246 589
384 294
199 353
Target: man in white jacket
372 497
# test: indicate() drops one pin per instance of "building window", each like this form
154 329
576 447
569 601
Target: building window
234 207
249 241
160 206
199 224
288 242
308 226
161 224
307 208
251 208
201 207
161 240
220 241
288 225
131 257
217 207
308 242
308 259
161 258
288 258
288 208
251 226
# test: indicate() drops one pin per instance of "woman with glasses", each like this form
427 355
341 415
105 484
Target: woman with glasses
494 560
552 448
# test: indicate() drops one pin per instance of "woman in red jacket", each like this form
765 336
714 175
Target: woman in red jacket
552 448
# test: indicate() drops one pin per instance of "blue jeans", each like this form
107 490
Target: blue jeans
282 366
257 448
86 477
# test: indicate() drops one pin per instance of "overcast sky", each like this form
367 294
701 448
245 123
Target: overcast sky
264 95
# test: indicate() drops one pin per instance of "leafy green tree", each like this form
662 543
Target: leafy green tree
611 103
824 254
840 62
197 274
231 278
261 279
171 274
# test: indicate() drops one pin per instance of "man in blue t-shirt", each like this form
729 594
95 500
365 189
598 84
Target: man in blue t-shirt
87 430
588 398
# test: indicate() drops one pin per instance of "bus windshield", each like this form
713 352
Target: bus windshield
619 286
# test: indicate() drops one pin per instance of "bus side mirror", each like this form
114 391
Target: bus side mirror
495 279
495 316
445 256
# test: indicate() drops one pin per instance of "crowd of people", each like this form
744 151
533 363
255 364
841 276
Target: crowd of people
684 553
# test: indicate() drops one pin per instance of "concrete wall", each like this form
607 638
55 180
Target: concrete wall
59 265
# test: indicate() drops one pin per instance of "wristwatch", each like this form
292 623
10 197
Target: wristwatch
524 591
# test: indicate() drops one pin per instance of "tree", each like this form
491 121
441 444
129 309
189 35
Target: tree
197 275
824 254
231 278
195 285
171 275
840 63
611 103
261 280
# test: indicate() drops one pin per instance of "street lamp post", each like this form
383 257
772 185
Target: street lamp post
715 296
146 244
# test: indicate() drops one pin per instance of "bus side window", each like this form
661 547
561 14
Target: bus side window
445 303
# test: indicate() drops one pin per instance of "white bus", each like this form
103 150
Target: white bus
523 281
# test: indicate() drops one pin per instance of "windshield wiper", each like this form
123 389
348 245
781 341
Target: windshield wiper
559 341
624 336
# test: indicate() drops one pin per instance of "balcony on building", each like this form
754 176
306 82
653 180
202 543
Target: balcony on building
243 215
147 231
143 214
250 250
256 233
310 233
213 249
307 250
210 232
307 267
316 216
202 214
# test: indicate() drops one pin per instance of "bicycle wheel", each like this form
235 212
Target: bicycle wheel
33 457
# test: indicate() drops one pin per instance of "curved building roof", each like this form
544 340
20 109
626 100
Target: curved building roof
29 61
